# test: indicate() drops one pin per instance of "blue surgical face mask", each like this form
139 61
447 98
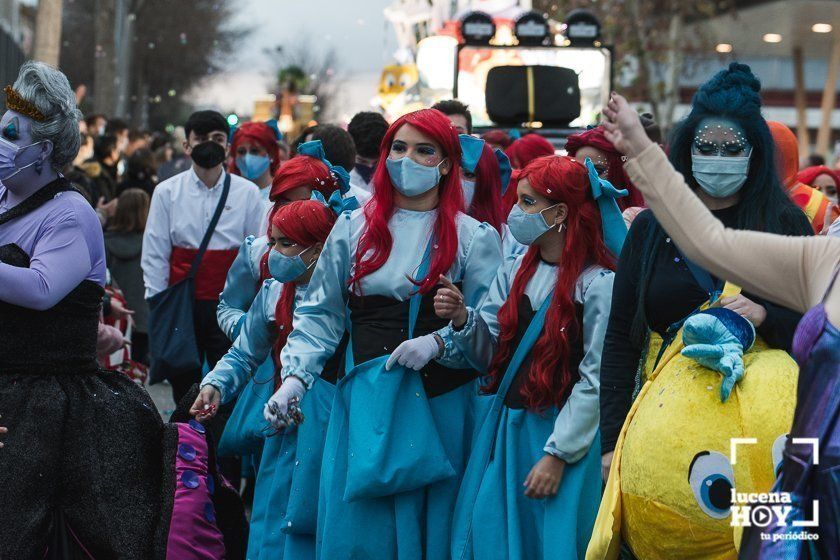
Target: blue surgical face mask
720 176
469 192
526 228
287 269
412 178
9 153
251 166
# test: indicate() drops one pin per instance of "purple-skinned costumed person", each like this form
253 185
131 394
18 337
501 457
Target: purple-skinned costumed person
87 468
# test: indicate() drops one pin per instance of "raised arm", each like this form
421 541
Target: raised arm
477 339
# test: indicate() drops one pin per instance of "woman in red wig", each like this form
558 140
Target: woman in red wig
521 152
298 232
296 180
256 155
390 480
538 335
608 161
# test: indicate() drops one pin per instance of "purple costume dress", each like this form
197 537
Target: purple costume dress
89 469
816 347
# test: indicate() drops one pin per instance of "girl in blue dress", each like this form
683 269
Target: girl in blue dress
297 179
399 433
298 233
532 486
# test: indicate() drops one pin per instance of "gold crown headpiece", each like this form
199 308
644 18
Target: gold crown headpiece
15 102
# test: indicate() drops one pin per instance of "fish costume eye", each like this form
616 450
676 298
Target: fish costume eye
711 479
777 453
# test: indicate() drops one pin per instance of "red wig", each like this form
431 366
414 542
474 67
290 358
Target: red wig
306 222
810 174
300 171
487 202
528 148
497 137
595 138
376 241
256 133
559 179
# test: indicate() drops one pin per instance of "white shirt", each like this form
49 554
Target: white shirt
359 188
181 211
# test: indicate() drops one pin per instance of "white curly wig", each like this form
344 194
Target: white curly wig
48 89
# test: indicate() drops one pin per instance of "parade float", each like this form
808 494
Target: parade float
514 67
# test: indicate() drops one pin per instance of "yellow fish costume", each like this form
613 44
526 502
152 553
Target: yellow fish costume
670 485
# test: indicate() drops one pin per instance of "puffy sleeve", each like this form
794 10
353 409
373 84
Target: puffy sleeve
241 286
251 348
577 421
477 339
319 320
484 258
60 260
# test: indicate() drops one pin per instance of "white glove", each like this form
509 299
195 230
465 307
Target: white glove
278 404
415 353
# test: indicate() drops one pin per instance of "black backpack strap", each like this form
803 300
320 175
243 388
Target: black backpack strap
41 197
211 228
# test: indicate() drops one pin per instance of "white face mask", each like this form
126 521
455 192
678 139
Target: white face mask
8 158
720 176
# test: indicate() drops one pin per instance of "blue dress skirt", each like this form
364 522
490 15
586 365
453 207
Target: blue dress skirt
493 519
504 523
412 525
284 515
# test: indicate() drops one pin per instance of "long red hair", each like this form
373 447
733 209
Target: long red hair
306 222
487 202
560 179
528 148
376 241
258 133
300 171
595 138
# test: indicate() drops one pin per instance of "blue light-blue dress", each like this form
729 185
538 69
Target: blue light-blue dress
416 523
291 460
493 517
241 287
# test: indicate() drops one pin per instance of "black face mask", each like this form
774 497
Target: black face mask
208 154
365 171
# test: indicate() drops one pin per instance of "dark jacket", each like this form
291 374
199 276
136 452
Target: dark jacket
122 251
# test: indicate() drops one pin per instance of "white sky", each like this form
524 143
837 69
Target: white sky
356 28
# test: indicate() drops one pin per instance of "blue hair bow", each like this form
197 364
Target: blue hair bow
336 203
604 193
471 148
273 125
505 168
315 149
515 134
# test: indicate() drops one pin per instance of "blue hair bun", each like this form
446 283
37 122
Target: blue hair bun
735 90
